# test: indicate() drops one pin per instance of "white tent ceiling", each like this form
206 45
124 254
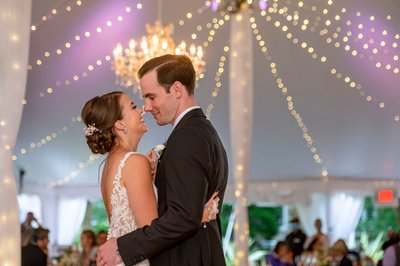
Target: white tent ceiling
355 137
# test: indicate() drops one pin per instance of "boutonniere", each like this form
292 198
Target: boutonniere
160 149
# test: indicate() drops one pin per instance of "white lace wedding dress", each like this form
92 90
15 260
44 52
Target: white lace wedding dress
122 220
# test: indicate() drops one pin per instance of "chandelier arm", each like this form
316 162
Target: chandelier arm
159 10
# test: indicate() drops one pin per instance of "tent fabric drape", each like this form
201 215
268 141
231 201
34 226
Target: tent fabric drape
339 212
29 203
71 213
15 17
311 209
344 213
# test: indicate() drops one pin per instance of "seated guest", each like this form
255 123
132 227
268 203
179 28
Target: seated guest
281 255
35 253
391 255
101 237
388 248
89 248
313 255
338 253
392 238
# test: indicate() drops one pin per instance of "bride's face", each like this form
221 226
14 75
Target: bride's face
132 116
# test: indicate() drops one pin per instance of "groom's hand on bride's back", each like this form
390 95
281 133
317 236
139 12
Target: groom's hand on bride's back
107 254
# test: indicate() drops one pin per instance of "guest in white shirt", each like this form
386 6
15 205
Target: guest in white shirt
323 238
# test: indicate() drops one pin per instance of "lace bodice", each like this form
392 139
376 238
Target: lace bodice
122 220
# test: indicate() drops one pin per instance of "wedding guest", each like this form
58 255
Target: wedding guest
391 257
313 255
281 255
392 238
324 238
101 237
338 252
296 238
35 253
27 228
89 248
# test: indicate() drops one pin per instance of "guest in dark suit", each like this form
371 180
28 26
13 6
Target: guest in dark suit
192 167
296 238
35 253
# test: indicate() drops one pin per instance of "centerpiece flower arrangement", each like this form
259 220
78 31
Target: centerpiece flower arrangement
69 257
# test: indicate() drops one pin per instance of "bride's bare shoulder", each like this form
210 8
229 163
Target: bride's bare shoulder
136 167
136 157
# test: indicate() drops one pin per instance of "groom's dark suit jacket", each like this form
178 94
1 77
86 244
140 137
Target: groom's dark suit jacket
193 166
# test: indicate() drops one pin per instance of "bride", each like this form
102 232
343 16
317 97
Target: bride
114 126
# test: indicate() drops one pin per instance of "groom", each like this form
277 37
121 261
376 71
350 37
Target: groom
193 166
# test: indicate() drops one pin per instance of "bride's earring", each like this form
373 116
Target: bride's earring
125 130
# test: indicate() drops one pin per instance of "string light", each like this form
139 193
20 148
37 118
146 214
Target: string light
217 23
51 14
73 174
289 99
218 82
359 36
214 28
87 34
34 145
98 63
348 81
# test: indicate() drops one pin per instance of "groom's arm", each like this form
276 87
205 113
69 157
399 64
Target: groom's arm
186 190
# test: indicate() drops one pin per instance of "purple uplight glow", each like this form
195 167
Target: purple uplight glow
214 5
375 39
263 4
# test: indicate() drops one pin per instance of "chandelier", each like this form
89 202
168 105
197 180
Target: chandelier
127 61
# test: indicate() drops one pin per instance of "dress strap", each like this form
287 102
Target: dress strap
122 164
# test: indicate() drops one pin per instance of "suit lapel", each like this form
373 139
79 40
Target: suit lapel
195 113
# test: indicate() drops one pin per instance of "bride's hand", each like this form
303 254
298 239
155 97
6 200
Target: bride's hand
153 159
211 209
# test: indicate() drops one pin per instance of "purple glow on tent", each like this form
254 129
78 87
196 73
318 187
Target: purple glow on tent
214 5
263 4
374 40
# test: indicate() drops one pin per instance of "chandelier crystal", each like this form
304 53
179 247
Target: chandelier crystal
127 61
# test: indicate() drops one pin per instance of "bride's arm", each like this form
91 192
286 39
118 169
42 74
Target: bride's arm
136 177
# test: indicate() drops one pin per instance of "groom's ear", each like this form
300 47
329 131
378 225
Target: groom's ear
177 88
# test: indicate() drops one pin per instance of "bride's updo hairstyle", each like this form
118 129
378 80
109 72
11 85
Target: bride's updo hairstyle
99 115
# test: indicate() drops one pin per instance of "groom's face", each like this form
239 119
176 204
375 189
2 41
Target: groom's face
162 105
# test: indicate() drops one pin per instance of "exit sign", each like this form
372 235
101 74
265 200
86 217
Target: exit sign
386 198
